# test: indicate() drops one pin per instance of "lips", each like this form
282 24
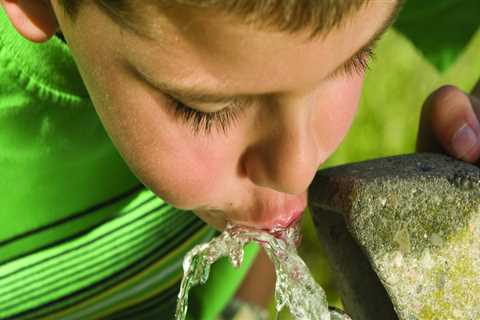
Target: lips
294 217
282 216
267 212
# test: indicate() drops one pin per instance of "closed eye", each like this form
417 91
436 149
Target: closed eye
202 122
357 65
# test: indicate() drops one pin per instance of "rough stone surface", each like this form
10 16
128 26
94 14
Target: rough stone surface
416 220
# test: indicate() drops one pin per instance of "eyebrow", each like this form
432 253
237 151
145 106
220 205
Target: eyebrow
200 95
195 94
375 37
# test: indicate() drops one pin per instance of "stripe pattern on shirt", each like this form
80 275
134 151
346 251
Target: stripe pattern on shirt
128 266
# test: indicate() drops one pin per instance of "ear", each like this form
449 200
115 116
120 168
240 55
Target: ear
33 19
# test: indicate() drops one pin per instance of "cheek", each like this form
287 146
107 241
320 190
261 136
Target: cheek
183 169
339 106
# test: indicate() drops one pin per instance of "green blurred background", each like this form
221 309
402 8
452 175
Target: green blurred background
397 84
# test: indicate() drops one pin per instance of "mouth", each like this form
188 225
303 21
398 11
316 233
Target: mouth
281 231
266 215
281 217
292 218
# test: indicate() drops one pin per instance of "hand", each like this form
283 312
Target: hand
449 123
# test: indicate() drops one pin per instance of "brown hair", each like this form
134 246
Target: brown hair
283 15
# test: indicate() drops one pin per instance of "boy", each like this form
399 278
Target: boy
214 105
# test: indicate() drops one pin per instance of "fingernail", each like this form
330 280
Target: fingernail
463 141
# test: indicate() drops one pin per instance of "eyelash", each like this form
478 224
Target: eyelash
202 122
225 118
358 64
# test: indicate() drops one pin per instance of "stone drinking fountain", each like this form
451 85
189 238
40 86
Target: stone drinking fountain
403 236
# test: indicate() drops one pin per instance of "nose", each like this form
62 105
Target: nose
285 156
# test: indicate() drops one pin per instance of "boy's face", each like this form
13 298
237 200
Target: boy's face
292 107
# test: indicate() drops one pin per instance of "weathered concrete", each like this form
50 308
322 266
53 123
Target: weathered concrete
415 220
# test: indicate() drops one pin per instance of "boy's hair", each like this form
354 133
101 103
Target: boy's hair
282 15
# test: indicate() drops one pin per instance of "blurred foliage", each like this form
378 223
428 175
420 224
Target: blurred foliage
399 81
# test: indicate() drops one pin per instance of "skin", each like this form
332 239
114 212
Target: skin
256 173
445 112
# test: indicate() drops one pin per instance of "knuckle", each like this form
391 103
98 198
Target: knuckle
444 96
446 99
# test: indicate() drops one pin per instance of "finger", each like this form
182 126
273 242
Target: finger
476 90
426 139
449 124
475 100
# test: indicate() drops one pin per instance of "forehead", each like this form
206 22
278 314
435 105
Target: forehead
225 49
214 50
291 16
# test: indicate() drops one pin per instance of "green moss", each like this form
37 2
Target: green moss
459 293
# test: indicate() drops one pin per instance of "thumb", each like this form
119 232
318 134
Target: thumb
476 94
449 123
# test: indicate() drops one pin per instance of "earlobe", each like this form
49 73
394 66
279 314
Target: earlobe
33 19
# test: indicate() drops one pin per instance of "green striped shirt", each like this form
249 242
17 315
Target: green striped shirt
80 237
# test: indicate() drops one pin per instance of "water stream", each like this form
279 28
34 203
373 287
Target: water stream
295 286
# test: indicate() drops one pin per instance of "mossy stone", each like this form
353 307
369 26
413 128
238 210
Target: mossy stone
415 221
